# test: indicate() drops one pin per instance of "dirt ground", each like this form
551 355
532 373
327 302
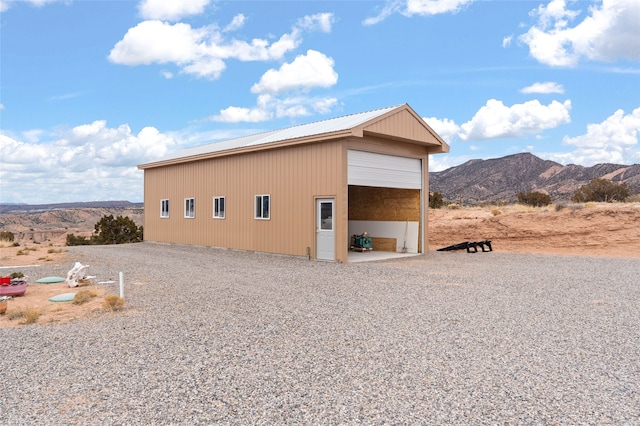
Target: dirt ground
37 295
591 230
599 229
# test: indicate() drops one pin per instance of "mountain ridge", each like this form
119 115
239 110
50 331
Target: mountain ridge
499 180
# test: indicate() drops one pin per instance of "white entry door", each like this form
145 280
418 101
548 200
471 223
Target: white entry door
325 229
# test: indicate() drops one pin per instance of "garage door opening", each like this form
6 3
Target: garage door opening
385 200
391 217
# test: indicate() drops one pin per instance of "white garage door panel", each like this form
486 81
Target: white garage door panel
389 171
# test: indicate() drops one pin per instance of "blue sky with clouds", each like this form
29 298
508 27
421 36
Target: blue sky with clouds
90 89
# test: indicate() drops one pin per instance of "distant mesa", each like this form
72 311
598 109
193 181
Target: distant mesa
6 208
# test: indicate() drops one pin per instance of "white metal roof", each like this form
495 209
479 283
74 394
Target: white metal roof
304 130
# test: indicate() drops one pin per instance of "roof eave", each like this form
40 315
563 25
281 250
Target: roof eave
254 148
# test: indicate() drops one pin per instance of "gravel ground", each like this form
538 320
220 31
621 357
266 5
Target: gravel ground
214 336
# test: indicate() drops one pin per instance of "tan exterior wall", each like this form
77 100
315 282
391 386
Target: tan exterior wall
293 177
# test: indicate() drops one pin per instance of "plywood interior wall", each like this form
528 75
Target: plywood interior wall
384 204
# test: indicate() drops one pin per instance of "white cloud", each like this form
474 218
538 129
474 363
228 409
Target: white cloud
608 32
615 140
90 161
495 120
269 107
318 22
417 7
543 87
236 23
171 10
314 69
5 4
1 106
434 7
446 128
203 51
506 42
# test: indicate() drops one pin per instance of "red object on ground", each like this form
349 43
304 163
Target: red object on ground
17 289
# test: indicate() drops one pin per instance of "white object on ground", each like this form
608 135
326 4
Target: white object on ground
76 273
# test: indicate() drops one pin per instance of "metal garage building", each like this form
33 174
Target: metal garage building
303 190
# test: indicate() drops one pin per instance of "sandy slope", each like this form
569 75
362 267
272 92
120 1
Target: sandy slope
591 229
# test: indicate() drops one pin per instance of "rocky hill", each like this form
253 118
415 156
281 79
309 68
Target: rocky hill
500 179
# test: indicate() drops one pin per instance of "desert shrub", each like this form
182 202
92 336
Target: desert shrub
113 302
118 230
635 198
17 275
436 201
83 296
73 240
54 250
534 198
495 212
560 206
601 190
28 315
7 236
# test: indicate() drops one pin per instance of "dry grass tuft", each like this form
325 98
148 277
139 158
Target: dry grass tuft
55 250
495 212
29 315
25 251
113 302
5 243
83 296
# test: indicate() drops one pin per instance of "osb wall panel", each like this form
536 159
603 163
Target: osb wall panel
293 177
384 204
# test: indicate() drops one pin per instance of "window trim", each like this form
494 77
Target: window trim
218 211
164 213
193 208
260 203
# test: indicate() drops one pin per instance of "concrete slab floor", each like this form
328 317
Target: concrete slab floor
355 256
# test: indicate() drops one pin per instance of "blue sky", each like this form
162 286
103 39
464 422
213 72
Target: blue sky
90 89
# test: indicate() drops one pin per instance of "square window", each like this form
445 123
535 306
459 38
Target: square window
189 207
164 208
262 206
218 207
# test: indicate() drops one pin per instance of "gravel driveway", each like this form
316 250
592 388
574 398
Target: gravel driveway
213 336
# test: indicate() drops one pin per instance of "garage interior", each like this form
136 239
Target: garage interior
391 217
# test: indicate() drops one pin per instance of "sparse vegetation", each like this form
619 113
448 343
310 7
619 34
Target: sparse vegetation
25 251
534 198
602 190
495 212
436 201
55 250
113 302
110 230
83 296
635 198
28 315
17 275
7 236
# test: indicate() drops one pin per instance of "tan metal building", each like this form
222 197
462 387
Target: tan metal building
303 190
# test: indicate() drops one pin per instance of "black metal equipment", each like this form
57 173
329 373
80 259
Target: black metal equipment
469 245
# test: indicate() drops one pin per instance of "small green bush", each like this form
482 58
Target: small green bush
601 190
436 200
534 198
7 236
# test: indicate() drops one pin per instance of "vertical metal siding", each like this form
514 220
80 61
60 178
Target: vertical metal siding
291 176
